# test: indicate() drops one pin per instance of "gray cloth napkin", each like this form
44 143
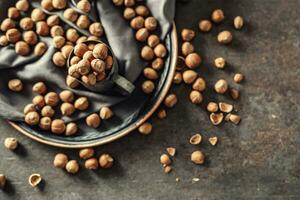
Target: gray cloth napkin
31 69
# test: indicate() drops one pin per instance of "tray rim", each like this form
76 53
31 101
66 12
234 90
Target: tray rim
129 129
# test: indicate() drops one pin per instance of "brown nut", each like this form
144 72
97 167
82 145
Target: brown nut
93 120
212 107
199 84
15 85
66 50
2 181
72 167
234 93
70 14
51 99
118 2
86 153
150 23
187 35
234 119
32 118
81 39
100 51
83 22
29 108
40 49
145 128
30 37
47 5
72 71
37 15
67 109
213 140
81 103
216 118
96 29
57 31
238 78
220 62
147 53
71 82
72 35
98 65
88 55
52 20
189 76
58 41
22 5
71 129
22 48
3 41
7 24
160 51
187 48
217 16
148 87
42 28
66 96
196 97
60 160
153 40
162 114
13 35
165 160
225 37
225 107
238 22
105 113
150 73
26 23
205 26
221 86
59 59
89 79
129 13
106 161
84 6
193 60
196 139
59 4
47 111
170 100
129 3
58 126
137 23
83 67
109 61
80 49
75 60
91 164
38 101
11 143
45 123
197 157
142 35
157 64
35 179
13 13
142 10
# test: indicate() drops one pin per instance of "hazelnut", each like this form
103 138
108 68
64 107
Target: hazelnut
74 60
52 20
148 87
86 153
13 13
142 11
187 48
67 109
189 76
91 164
225 107
81 39
66 50
80 49
96 29
162 114
212 107
29 108
72 71
105 113
30 37
216 118
137 23
59 4
84 6
3 41
98 65
196 139
58 41
225 37
58 126
221 86
153 40
234 119
72 35
15 85
100 76
57 31
47 5
45 123
60 160
238 78
71 82
177 79
7 24
234 93
199 84
100 51
167 169
22 48
150 23
51 99
93 120
2 181
83 22
11 143
59 59
171 151
129 3
170 100
37 15
118 2
32 118
106 161
70 14
83 67
217 16
109 61
193 60
197 157
40 49
89 79
238 22
66 96
81 103
71 129
187 35
42 28
38 101
13 35
147 53
150 73
142 35
213 140
145 128
165 160
157 64
220 62
205 26
88 55
22 5
35 179
26 23
129 13
196 97
72 167
47 111
180 63
160 51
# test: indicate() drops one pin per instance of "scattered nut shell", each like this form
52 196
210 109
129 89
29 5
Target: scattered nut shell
196 139
213 140
35 179
216 118
171 151
225 107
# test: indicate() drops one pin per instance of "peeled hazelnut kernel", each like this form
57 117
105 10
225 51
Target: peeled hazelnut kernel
51 99
11 143
58 126
72 167
35 179
137 23
189 76
197 157
196 97
2 181
225 37
205 26
106 161
13 13
26 23
37 15
60 160
91 164
150 23
147 53
71 82
70 14
45 123
196 139
213 140
105 113
221 86
57 31
29 108
148 87
157 64
13 35
88 55
162 114
66 50
160 51
129 3
66 96
47 5
84 6
171 151
199 84
238 22
220 62
129 13
217 16
234 93
187 35
238 78
80 49
30 37
145 128
47 111
93 120
52 20
234 118
98 65
42 28
193 60
81 103
118 2
187 48
100 51
225 107
74 60
96 29
83 67
142 35
7 24
212 107
32 118
58 41
67 109
81 39
153 40
59 4
15 85
150 73
71 129
180 64
22 5
216 118
40 49
109 61
142 11
170 100
83 22
167 169
86 153
72 71
72 35
38 101
165 160
22 48
89 79
59 59
3 41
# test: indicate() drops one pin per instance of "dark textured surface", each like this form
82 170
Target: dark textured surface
259 159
